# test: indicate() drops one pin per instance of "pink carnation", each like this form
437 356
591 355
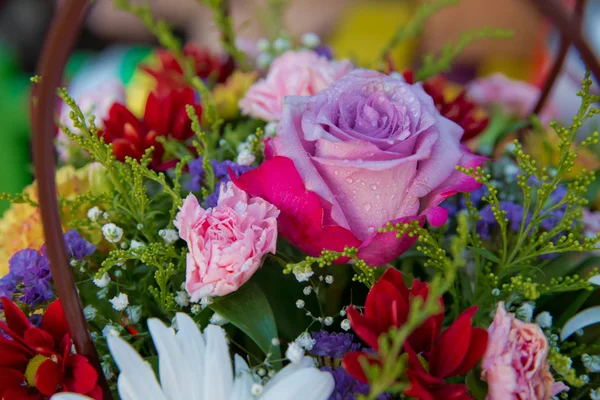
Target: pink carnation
515 363
517 98
226 243
294 73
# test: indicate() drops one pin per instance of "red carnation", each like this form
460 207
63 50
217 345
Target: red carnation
169 75
164 115
460 109
36 363
450 353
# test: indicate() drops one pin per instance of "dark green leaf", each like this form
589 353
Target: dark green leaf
249 310
477 388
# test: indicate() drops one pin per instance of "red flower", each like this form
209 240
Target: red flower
164 115
37 362
169 75
446 354
460 109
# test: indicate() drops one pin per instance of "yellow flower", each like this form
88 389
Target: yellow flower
21 225
228 95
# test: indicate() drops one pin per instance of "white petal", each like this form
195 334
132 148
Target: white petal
290 369
581 320
243 381
595 280
175 375
218 374
306 384
191 343
135 370
126 391
69 396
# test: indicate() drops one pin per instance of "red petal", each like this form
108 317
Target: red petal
478 345
22 393
452 346
302 216
95 393
48 377
81 376
452 392
39 340
15 318
352 363
364 327
54 321
10 378
12 355
385 306
395 277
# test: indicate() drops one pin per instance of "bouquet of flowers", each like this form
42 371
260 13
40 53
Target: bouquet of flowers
282 224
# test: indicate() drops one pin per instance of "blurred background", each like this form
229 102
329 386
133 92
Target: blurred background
114 42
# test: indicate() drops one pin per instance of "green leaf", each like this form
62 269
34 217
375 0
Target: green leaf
477 388
249 310
486 254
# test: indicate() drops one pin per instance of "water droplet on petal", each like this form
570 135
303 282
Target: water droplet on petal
367 206
373 187
363 183
377 196
349 180
336 172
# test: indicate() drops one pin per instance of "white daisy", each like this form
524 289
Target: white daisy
197 367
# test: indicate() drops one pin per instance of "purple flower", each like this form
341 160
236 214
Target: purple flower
346 387
324 51
334 345
221 171
77 246
19 264
8 285
514 214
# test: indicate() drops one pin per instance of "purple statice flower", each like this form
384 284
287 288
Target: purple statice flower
20 263
555 216
221 170
78 247
8 285
514 214
346 387
335 345
324 51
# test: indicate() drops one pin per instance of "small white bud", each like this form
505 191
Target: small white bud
525 312
206 301
217 319
261 371
103 281
343 312
263 45
271 129
329 279
302 274
222 142
135 245
263 60
300 303
544 319
345 324
102 293
120 302
294 353
110 330
170 236
328 321
134 313
182 299
275 342
196 309
310 40
305 341
246 158
256 389
112 233
94 214
307 290
105 215
281 45
90 312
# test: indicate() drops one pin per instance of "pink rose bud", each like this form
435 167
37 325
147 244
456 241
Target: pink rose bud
226 243
294 73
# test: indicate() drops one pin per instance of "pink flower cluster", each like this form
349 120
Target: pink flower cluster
515 363
226 243
295 73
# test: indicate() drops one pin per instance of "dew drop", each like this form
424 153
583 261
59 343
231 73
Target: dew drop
373 187
336 172
377 196
363 183
349 180
367 206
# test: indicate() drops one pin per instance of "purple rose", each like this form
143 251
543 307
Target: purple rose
375 150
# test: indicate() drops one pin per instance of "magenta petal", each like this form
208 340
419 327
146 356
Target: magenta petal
382 248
